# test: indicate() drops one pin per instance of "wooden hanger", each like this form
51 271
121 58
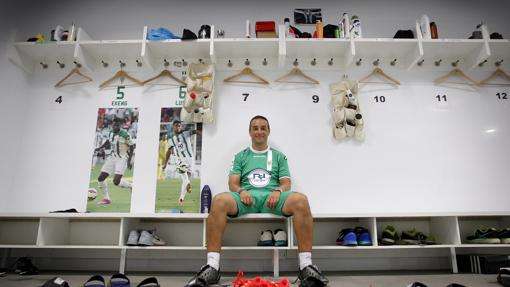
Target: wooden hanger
76 71
166 73
297 72
246 71
456 73
120 74
379 71
498 73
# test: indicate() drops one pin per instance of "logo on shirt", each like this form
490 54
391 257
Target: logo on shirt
259 177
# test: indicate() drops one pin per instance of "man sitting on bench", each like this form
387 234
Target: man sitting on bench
259 182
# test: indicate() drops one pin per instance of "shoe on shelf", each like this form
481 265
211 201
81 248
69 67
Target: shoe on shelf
363 236
409 237
485 236
266 238
314 272
104 201
133 237
389 236
280 238
504 235
150 238
206 276
347 237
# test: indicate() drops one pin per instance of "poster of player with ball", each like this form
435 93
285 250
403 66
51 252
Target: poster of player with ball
113 157
179 161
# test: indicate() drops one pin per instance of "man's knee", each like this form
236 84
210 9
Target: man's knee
222 202
299 202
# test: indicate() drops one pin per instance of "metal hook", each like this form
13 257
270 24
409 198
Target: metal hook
438 62
247 62
78 65
44 66
184 63
454 64
421 62
330 62
61 65
105 64
229 64
376 62
498 63
166 63
481 64
264 62
314 62
200 61
358 62
295 63
138 63
122 64
393 62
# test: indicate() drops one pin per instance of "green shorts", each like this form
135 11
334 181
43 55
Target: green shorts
259 198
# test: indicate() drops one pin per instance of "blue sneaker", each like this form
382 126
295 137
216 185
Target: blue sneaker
363 236
347 237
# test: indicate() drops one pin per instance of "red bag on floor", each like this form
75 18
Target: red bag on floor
258 282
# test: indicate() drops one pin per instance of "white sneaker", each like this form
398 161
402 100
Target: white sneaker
280 238
150 238
266 238
133 238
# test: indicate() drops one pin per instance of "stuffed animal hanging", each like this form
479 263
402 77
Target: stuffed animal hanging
197 106
347 119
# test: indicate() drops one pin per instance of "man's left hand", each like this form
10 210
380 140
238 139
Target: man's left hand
273 200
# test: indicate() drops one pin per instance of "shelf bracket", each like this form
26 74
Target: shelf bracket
122 264
276 263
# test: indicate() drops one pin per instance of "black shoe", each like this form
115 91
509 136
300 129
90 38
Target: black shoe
312 271
205 277
24 266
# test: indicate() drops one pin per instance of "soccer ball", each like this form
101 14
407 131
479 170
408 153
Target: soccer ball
91 194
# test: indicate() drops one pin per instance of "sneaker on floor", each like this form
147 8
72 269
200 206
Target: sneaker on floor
104 201
347 237
133 237
280 238
363 236
484 236
206 276
24 266
150 238
389 236
266 238
312 271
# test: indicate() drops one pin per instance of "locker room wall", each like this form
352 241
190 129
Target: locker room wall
418 156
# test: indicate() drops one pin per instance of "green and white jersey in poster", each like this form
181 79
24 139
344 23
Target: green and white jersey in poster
260 169
120 143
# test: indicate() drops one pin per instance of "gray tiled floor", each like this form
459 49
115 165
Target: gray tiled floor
337 280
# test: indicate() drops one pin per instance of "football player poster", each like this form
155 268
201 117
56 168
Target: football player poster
111 176
179 160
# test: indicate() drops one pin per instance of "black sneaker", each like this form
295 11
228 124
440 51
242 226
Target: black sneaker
312 271
205 277
24 266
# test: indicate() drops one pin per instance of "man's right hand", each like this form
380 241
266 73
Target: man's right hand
246 198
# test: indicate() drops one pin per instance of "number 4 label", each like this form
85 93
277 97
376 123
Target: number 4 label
58 100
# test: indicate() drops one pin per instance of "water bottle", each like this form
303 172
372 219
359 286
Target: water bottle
346 26
356 27
289 33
